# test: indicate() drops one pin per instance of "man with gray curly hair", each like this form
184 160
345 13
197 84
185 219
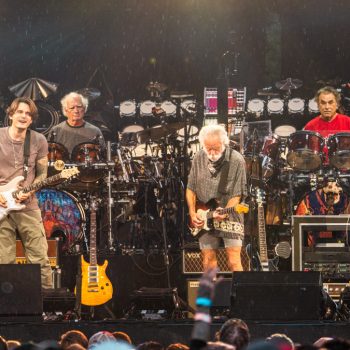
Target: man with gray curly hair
217 176
75 129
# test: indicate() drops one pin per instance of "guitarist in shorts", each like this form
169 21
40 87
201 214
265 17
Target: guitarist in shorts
217 172
27 222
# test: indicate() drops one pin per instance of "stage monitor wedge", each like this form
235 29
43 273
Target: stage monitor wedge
20 292
276 296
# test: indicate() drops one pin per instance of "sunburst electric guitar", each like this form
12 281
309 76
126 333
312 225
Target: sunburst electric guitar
10 190
96 288
206 212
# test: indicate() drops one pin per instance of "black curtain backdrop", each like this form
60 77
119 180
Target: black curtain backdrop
128 43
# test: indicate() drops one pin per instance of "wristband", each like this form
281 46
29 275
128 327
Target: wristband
199 316
202 301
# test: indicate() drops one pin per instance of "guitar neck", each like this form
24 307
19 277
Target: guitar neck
93 255
221 212
37 185
262 234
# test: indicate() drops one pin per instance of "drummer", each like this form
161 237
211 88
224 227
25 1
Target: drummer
329 121
75 129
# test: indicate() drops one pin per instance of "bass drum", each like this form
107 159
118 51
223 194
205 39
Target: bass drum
48 118
63 216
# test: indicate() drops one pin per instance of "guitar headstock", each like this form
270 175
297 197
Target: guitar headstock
70 172
94 203
260 195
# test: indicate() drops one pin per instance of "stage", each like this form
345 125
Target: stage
129 273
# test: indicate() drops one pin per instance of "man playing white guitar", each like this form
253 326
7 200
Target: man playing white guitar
27 222
217 172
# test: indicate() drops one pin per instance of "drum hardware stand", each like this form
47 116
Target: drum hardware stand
109 197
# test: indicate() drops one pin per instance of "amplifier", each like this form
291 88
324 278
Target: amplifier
53 252
335 289
192 261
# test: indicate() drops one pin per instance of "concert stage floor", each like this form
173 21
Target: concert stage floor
168 332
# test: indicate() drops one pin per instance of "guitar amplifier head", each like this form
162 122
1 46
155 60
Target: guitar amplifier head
192 261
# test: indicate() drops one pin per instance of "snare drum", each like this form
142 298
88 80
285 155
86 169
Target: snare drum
128 136
305 150
146 149
296 106
85 155
339 151
285 130
275 106
63 216
256 106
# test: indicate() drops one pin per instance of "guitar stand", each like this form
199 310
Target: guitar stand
78 279
106 307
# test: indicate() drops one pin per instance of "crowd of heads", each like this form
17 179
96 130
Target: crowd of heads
234 334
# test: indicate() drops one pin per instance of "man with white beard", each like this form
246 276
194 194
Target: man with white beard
217 176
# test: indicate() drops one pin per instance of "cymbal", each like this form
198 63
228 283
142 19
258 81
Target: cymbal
155 86
267 93
180 95
331 82
90 93
155 133
289 84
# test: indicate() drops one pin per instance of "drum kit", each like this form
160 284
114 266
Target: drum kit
140 178
303 161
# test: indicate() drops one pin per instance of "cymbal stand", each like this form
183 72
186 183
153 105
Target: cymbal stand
110 199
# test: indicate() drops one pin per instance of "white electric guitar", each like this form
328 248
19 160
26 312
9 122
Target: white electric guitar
10 190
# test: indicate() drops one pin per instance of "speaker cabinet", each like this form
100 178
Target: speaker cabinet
20 292
221 302
276 296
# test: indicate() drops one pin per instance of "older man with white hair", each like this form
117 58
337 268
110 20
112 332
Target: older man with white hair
217 176
75 129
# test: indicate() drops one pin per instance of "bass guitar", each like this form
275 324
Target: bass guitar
96 288
205 212
10 190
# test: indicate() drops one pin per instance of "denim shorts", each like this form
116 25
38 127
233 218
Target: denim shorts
211 241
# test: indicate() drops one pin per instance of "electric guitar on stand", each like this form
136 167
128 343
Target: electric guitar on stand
263 257
96 288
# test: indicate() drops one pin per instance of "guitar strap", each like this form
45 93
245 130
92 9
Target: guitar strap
223 176
26 153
